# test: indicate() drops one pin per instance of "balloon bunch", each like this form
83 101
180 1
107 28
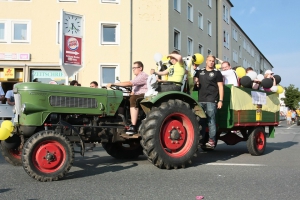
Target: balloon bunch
247 79
6 128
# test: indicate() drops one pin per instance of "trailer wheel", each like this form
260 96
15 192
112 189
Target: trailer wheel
119 150
170 135
47 156
12 154
256 142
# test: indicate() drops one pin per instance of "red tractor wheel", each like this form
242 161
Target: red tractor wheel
170 134
47 156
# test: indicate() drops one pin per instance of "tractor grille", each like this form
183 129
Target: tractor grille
71 102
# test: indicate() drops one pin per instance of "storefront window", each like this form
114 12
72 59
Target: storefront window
47 76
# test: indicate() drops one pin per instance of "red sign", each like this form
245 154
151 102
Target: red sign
72 50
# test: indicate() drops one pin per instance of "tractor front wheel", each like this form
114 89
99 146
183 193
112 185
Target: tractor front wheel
47 156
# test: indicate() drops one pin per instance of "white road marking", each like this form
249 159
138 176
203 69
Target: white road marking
291 126
235 164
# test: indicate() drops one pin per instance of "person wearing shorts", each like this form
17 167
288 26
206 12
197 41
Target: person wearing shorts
139 88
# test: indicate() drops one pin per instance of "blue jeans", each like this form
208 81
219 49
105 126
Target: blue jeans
210 109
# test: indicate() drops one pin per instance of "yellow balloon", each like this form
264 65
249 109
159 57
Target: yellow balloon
240 72
165 59
279 89
4 133
198 58
8 125
218 66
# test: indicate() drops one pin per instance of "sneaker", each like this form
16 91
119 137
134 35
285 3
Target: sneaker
131 130
210 144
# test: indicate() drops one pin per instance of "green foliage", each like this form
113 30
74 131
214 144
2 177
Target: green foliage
292 96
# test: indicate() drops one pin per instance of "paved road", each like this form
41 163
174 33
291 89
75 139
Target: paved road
227 173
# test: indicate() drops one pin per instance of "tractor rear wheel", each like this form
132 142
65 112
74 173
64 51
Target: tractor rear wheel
170 134
256 142
47 156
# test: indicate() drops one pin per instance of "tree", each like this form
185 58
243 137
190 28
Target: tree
292 96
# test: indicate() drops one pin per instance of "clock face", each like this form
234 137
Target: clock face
72 25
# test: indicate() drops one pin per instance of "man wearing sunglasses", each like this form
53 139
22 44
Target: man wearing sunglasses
139 88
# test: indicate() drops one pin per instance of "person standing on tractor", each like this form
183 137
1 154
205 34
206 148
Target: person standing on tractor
175 73
139 88
210 98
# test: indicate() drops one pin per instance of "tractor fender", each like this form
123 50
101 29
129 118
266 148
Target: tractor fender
148 102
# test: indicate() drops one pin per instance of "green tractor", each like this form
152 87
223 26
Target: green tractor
50 120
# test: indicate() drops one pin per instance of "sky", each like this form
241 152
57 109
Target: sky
274 28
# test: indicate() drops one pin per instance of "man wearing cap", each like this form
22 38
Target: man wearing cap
269 74
175 73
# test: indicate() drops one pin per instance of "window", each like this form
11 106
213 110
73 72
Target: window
226 39
177 5
110 33
177 38
190 12
208 52
200 20
245 63
20 31
2 32
209 28
235 56
200 49
110 1
234 34
209 3
190 47
225 14
109 73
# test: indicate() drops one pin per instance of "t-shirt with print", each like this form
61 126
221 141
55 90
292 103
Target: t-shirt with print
176 72
208 85
140 83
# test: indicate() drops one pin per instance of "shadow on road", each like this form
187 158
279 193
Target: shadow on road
95 165
225 152
279 146
4 190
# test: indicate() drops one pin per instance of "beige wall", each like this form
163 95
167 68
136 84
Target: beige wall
153 23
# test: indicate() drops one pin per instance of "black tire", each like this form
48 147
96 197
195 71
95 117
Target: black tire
129 150
256 142
170 135
47 156
11 155
205 140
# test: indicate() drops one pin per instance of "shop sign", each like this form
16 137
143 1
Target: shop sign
72 50
9 72
14 56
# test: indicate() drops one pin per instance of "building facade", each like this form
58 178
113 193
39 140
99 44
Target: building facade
115 34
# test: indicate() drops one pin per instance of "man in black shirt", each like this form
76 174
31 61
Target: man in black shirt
210 98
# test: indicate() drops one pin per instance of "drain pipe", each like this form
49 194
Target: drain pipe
130 40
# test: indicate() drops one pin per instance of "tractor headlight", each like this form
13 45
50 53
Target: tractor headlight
23 108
